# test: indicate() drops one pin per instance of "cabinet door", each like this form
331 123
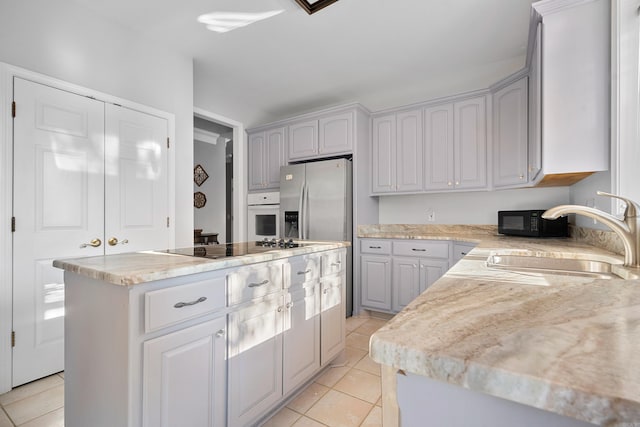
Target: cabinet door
438 147
383 170
255 360
332 318
535 108
460 250
184 377
336 134
430 271
406 281
376 282
274 157
409 151
470 143
301 349
257 154
303 140
510 135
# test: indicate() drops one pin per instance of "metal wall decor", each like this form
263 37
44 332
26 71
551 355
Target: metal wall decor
199 199
199 175
312 6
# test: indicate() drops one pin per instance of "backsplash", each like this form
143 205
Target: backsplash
607 240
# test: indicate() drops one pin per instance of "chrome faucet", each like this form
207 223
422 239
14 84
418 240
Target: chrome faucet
628 228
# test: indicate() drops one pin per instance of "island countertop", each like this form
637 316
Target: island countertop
565 344
140 267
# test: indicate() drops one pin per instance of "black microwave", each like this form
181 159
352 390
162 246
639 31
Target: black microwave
529 223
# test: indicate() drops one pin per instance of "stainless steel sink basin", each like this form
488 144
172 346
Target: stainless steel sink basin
565 266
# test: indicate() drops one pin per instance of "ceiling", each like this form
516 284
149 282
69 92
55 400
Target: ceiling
381 53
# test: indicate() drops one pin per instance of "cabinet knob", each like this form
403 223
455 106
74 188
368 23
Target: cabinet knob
457 182
280 309
113 241
521 176
94 243
220 333
449 183
289 304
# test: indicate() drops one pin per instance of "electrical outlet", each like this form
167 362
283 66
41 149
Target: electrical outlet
431 215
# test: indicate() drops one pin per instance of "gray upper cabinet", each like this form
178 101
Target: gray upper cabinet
397 153
326 136
510 135
456 145
266 152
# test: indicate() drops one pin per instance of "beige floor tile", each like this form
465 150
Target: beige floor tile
283 418
52 419
37 405
360 384
332 375
379 402
359 341
308 422
370 326
308 398
368 365
353 355
374 419
355 322
4 419
30 389
337 409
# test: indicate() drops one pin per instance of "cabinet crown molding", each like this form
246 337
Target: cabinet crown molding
547 7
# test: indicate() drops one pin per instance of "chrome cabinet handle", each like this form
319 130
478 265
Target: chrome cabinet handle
113 241
94 243
375 247
220 333
255 285
185 304
463 253
300 273
289 304
418 250
280 309
337 263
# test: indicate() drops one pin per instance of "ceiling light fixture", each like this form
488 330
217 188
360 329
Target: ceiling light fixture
312 6
222 22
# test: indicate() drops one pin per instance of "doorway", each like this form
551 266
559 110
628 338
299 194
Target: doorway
213 182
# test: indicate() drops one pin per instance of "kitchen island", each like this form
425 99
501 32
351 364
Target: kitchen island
488 346
207 336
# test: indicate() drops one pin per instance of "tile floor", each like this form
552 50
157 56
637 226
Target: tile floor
345 395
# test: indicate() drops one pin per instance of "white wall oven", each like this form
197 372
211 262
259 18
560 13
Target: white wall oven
263 216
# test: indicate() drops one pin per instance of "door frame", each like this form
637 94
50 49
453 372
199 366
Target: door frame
239 170
7 73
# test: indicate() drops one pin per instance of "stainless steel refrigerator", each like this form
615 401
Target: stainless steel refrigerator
316 204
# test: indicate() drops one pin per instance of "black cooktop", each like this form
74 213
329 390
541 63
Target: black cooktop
235 249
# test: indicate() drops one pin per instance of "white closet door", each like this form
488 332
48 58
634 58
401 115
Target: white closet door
136 186
58 205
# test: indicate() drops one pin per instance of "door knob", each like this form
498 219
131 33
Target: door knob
113 241
95 243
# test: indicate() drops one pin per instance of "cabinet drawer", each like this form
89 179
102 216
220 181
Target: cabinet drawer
169 306
333 262
369 246
252 282
424 249
460 250
304 269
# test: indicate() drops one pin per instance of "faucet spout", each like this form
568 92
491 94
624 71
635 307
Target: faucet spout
627 229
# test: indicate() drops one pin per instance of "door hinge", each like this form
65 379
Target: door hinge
13 338
168 144
13 109
13 224
167 222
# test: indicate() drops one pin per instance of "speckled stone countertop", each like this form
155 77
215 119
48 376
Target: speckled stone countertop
566 344
140 267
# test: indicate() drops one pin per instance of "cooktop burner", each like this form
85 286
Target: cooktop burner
234 249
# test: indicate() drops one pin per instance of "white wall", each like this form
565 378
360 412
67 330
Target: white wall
584 193
70 43
211 217
467 208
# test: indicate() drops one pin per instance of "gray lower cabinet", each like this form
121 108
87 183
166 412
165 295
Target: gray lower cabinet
399 271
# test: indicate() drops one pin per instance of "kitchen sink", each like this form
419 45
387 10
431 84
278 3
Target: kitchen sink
564 266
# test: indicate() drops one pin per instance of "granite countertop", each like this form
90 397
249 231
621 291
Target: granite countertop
566 344
139 267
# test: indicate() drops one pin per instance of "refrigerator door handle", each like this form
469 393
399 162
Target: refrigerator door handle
306 212
300 213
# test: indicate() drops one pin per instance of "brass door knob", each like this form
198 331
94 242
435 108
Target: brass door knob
113 241
95 243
